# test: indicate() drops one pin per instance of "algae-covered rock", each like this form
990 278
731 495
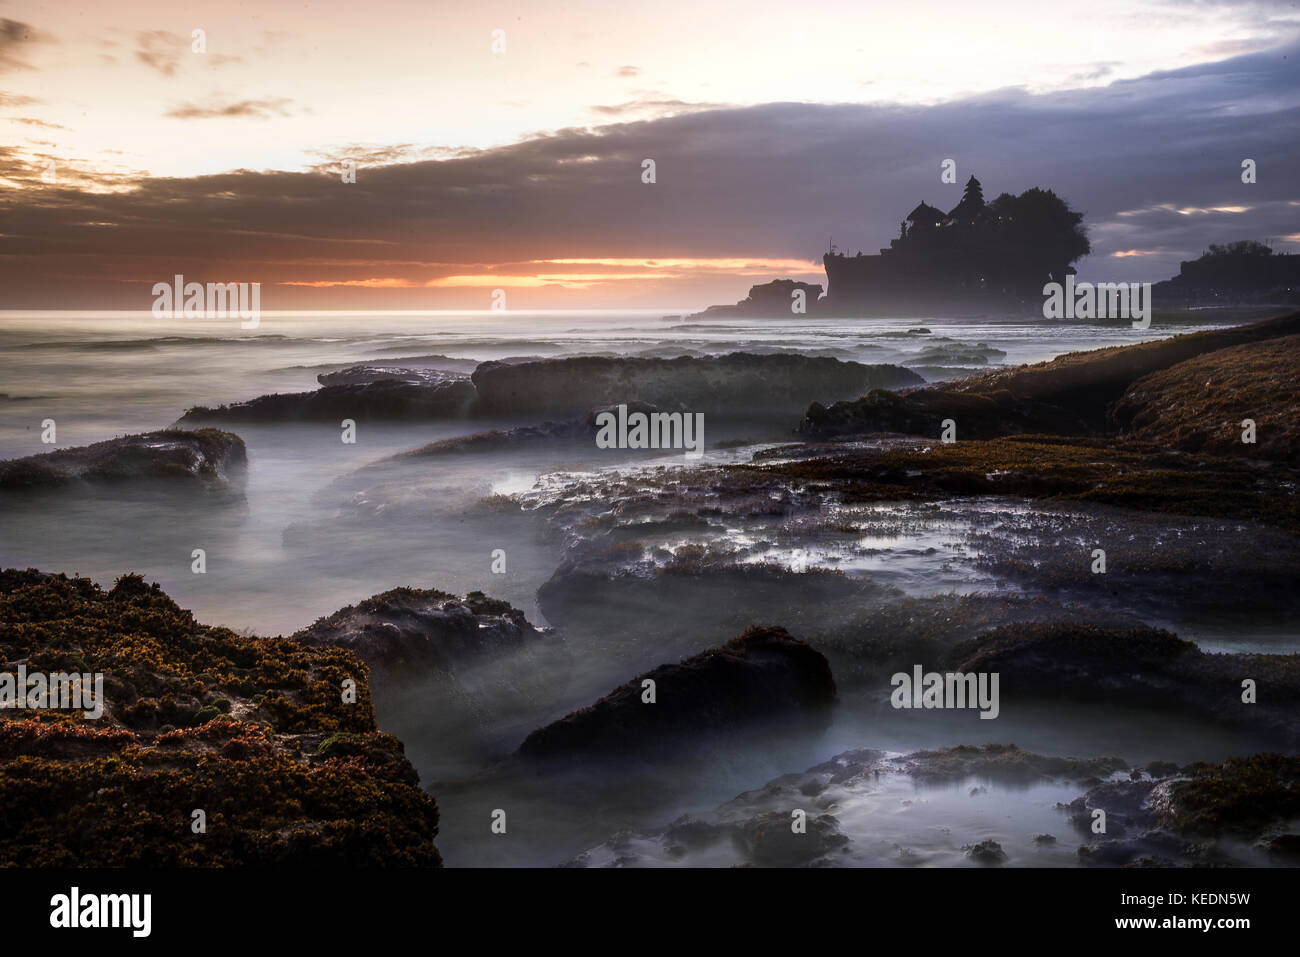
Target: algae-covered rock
1183 818
244 729
1068 395
1200 405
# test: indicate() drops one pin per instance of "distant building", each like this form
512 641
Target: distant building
977 257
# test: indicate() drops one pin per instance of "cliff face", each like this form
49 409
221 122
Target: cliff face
254 732
1219 279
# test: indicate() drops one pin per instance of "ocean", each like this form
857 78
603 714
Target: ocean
320 526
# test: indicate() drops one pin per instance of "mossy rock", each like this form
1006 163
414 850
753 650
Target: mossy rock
110 792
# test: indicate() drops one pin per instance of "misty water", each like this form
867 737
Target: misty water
319 524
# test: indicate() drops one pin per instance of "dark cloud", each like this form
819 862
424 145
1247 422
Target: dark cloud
161 50
260 109
1154 163
15 36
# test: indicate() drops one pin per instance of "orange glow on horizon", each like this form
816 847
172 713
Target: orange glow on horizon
651 269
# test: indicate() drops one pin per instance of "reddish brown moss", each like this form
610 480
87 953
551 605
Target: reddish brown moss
120 790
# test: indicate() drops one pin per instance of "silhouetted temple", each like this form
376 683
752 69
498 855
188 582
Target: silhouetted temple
974 257
975 254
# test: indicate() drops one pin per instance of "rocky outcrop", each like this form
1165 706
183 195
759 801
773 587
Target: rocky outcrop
773 299
765 673
1240 272
1173 820
378 398
549 433
738 385
1004 763
1067 396
1142 667
422 629
379 372
253 731
206 457
1086 469
923 412
1199 405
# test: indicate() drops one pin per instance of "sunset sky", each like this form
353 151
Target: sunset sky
126 157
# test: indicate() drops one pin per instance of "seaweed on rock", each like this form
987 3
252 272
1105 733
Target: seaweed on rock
255 732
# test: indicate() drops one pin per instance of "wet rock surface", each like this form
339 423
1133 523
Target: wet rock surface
205 457
737 384
375 372
1142 667
1067 396
764 673
1205 814
376 398
581 429
421 629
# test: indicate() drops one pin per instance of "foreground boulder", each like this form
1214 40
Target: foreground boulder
255 732
207 457
422 628
764 673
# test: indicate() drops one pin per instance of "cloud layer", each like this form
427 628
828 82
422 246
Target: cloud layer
1154 163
